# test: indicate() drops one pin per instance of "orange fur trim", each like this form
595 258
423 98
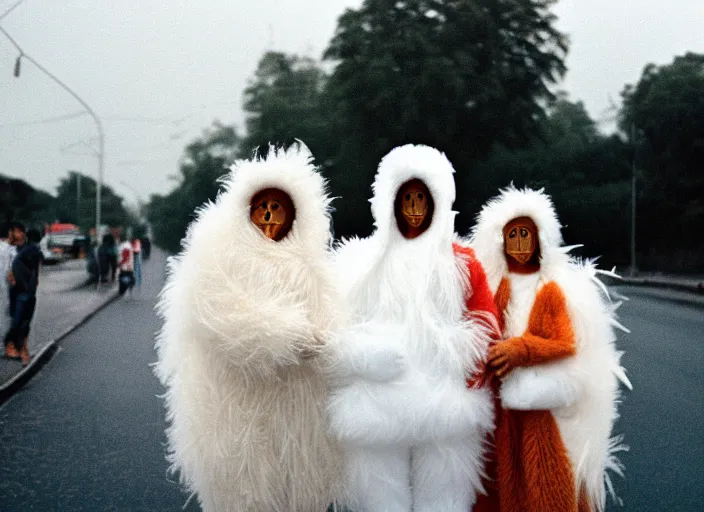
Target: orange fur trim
550 335
529 470
534 472
503 294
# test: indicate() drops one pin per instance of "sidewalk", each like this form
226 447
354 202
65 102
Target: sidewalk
692 284
683 297
682 289
63 302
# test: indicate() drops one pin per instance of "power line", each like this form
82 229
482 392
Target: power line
47 120
96 119
10 9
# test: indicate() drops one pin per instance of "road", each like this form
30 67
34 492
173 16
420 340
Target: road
663 417
86 434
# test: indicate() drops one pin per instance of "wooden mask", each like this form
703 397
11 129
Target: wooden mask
521 241
413 208
272 211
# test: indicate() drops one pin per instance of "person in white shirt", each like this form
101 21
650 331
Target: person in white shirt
7 253
125 255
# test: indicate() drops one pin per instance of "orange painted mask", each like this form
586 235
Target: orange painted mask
413 208
272 211
521 240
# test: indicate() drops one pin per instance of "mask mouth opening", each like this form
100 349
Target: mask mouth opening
413 208
272 211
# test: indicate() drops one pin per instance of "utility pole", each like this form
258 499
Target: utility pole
633 201
96 119
78 197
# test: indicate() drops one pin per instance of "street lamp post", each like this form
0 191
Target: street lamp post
96 119
633 201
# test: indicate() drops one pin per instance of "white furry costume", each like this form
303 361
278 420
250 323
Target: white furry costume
580 391
247 411
412 429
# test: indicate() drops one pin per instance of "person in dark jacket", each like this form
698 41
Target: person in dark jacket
24 279
107 259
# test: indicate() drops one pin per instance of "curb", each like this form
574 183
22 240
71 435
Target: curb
689 299
9 388
697 288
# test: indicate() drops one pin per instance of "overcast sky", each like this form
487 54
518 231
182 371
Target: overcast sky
158 72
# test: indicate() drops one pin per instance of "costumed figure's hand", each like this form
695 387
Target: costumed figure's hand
384 364
11 278
506 355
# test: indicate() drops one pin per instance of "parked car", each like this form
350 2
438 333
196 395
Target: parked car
50 255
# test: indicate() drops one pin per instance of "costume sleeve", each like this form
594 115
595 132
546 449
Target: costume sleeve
480 306
549 335
479 302
481 298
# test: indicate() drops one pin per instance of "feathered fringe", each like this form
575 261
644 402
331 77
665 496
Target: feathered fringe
593 311
247 427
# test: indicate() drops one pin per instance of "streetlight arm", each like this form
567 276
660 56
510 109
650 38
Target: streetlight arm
85 105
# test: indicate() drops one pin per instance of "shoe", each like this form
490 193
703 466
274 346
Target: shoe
24 355
11 352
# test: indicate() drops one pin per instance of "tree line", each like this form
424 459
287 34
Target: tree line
73 203
475 79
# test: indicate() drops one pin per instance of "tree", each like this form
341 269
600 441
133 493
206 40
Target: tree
22 202
69 208
203 163
286 101
666 107
586 173
457 75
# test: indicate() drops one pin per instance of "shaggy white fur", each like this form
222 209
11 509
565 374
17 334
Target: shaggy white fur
582 392
412 430
242 314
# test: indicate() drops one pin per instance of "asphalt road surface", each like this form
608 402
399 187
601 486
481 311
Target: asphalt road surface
87 433
663 417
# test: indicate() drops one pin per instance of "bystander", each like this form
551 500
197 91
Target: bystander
7 254
23 279
126 264
137 255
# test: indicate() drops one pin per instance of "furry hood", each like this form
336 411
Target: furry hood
487 236
401 165
258 288
292 171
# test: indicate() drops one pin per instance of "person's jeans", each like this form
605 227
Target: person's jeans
25 304
137 268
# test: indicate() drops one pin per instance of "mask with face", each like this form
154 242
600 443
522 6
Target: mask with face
413 208
272 211
521 243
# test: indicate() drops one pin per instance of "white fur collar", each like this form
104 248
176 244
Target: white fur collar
293 172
